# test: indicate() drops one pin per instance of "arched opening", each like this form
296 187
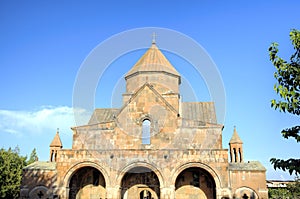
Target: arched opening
240 155
245 193
55 156
140 183
51 155
145 194
146 134
87 182
195 183
235 154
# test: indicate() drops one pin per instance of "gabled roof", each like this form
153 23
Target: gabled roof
38 165
247 166
153 61
101 115
235 138
56 142
155 93
199 111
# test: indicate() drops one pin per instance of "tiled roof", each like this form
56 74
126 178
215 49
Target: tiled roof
247 166
39 165
103 115
152 61
199 111
235 137
56 142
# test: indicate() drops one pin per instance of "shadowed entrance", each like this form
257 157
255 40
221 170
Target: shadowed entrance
195 183
87 182
140 183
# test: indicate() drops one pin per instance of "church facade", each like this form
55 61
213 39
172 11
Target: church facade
153 147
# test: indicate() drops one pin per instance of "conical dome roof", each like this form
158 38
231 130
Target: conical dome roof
56 142
235 137
152 61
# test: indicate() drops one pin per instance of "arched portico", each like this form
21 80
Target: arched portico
195 180
85 178
140 180
207 168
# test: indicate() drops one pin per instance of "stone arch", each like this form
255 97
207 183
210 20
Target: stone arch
81 165
245 193
137 177
148 192
195 182
132 165
145 117
184 166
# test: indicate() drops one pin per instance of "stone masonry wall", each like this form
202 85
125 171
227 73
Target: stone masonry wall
165 163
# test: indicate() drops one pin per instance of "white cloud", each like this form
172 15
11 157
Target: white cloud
38 121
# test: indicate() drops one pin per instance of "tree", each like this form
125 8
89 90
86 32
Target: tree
11 165
276 193
294 188
33 157
287 87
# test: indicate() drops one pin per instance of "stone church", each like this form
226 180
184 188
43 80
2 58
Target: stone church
153 147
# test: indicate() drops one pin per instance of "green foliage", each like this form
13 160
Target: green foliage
291 191
294 188
291 165
11 165
33 157
279 193
288 88
288 77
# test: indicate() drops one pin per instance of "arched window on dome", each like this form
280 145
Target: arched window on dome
146 131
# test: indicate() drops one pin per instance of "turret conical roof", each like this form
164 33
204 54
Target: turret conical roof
56 142
235 137
153 61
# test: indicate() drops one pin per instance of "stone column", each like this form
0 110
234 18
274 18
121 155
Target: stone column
172 192
223 192
167 192
113 192
63 192
263 193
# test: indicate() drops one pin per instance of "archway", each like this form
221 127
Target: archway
245 193
195 182
140 183
87 182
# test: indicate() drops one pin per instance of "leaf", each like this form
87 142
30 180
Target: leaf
287 87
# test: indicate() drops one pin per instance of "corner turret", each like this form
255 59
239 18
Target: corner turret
236 148
55 145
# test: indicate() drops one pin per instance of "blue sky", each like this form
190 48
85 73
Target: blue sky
43 45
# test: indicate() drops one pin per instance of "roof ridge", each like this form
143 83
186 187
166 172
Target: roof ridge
153 56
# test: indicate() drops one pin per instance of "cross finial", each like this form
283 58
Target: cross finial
153 38
57 130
